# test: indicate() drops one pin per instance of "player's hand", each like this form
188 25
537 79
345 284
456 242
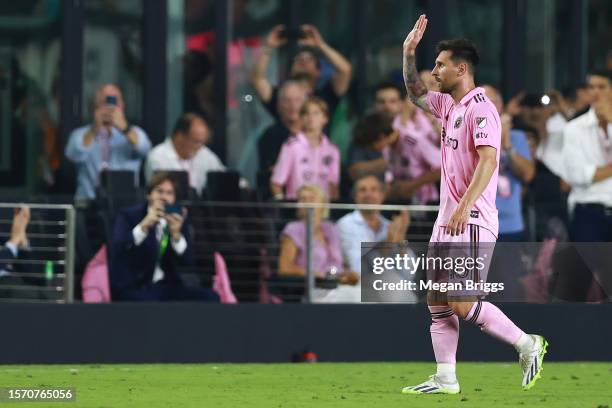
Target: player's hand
275 38
313 36
415 36
458 221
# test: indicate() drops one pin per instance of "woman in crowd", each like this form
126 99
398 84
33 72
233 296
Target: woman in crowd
327 249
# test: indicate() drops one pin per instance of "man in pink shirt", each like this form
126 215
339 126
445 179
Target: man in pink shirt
414 156
471 137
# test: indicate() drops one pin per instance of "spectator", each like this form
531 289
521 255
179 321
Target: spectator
18 248
327 253
327 250
291 97
414 158
110 142
587 153
563 106
429 80
388 99
150 242
186 150
309 157
371 136
369 225
305 62
516 168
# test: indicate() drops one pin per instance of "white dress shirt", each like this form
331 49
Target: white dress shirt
165 157
179 246
586 148
550 150
354 230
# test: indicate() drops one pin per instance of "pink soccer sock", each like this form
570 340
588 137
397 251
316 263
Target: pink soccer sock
444 333
494 322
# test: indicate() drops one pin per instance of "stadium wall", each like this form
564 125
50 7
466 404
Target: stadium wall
195 333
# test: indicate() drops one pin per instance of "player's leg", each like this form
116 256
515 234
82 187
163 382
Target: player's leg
493 321
444 331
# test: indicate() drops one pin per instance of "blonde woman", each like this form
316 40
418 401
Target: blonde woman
327 250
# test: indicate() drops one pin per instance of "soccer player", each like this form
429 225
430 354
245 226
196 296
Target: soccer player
471 137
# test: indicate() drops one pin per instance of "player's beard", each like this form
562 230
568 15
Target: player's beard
445 88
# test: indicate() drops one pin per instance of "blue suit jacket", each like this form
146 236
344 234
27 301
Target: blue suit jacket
132 266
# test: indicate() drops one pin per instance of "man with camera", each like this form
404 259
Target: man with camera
150 241
305 66
110 142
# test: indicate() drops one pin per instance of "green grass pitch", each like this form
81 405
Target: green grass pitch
351 385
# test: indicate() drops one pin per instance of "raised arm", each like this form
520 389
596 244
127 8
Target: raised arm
258 79
417 91
344 71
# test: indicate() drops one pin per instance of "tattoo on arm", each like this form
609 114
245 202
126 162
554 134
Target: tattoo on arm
417 91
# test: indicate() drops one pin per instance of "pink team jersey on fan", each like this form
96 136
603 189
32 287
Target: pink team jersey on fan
413 156
472 122
299 163
420 126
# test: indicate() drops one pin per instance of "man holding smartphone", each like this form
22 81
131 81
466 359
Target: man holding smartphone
150 242
110 142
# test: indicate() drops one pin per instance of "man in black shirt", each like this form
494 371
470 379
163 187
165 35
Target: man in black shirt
305 67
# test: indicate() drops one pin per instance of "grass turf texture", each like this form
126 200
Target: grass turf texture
312 385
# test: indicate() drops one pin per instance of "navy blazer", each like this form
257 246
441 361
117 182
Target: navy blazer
132 266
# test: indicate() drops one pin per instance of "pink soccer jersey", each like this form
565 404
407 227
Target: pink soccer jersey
472 122
300 163
414 155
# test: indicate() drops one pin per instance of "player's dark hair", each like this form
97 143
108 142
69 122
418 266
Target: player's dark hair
184 122
462 50
372 128
604 73
401 90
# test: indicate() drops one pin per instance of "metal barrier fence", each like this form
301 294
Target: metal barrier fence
44 271
247 235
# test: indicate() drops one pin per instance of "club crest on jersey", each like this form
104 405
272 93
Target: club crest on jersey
327 160
481 122
458 122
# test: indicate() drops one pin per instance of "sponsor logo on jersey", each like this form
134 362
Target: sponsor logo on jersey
482 135
474 214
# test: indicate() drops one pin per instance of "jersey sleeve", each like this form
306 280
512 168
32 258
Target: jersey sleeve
282 168
485 126
436 101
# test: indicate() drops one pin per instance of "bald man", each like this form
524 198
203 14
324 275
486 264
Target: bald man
110 142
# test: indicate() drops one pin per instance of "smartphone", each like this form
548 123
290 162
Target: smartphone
173 209
293 33
111 100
